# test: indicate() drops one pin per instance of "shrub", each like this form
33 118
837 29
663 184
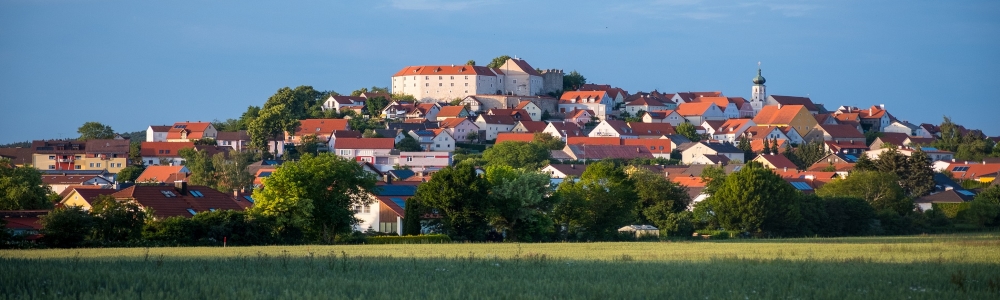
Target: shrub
951 210
419 239
66 227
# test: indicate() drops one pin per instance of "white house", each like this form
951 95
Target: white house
460 128
613 128
647 105
732 129
434 139
533 110
336 103
563 130
901 127
156 133
494 124
698 112
373 150
663 116
597 101
422 161
711 153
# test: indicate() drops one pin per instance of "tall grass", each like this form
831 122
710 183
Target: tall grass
930 267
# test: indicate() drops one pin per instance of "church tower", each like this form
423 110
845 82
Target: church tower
758 94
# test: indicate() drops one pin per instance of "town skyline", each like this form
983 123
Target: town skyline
218 60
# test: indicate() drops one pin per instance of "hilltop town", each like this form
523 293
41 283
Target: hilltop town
509 117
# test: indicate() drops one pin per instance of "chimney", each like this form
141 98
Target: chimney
181 187
786 169
948 188
387 178
881 106
572 166
236 194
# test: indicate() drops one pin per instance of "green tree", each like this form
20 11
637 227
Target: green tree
22 188
458 193
470 63
519 202
518 155
200 164
881 190
375 105
408 144
864 164
374 89
499 61
804 155
248 116
602 201
660 200
269 126
713 177
129 174
370 133
94 131
766 149
847 216
756 200
316 193
117 221
744 144
687 130
66 227
919 180
135 153
548 141
295 102
573 81
871 135
411 219
309 144
231 171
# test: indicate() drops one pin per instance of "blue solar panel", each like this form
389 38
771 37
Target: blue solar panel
960 169
399 201
191 211
802 186
248 198
851 157
265 174
396 190
928 148
967 193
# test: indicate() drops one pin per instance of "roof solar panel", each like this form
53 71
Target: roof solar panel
191 211
967 193
248 198
399 201
265 174
960 169
802 186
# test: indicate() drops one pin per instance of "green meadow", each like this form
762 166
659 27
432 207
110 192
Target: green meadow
959 266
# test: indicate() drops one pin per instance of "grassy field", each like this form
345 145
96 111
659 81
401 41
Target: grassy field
918 267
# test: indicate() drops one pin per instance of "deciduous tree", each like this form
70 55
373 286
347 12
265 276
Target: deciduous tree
498 61
117 221
458 194
756 200
687 130
95 130
519 202
408 143
22 187
66 227
574 80
518 155
881 190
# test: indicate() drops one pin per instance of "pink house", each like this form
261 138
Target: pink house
460 128
579 116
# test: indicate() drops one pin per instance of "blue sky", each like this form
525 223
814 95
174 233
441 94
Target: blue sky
130 64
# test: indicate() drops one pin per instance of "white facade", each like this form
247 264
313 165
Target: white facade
156 136
492 129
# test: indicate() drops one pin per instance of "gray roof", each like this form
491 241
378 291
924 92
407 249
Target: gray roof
722 147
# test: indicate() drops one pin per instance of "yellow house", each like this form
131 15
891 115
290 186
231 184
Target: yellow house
795 116
105 154
83 197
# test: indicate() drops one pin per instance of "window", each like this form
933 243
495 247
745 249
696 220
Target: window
440 84
150 161
452 84
427 84
466 77
437 145
91 165
427 77
452 77
98 165
52 157
345 152
52 167
78 167
515 81
367 209
440 77
466 84
409 159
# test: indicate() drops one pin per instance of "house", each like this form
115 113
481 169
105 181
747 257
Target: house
104 154
925 130
164 174
933 153
384 209
664 100
619 95
533 110
23 223
529 126
563 130
836 133
373 150
18 156
825 119
434 140
644 104
492 125
580 116
447 82
426 111
521 78
596 101
706 152
396 110
156 133
583 140
732 129
473 104
979 171
730 110
321 128
598 152
874 118
59 182
516 114
757 145
461 129
238 140
698 112
163 153
660 148
687 97
795 116
613 128
420 162
336 103
449 112
776 100
663 116
559 172
82 197
949 196
650 130
848 147
792 135
178 200
396 134
515 137
889 139
190 131
482 103
764 132
775 161
903 127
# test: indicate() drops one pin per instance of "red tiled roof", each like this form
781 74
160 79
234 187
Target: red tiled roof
497 119
841 145
731 125
582 140
453 122
195 130
822 165
523 104
579 96
571 129
757 145
772 115
364 143
975 170
320 127
694 108
841 131
232 136
793 100
533 126
163 206
162 174
610 151
524 66
721 102
873 112
160 128
689 181
349 100
577 113
448 70
639 128
659 114
170 149
689 96
450 111
89 193
654 145
645 102
894 138
517 137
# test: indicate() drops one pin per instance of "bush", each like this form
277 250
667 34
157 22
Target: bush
419 239
951 210
679 225
355 237
718 234
66 227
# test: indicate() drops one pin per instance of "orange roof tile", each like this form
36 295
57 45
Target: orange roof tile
578 96
654 145
581 140
448 70
163 174
779 161
450 112
694 108
721 102
320 127
164 149
517 137
639 128
773 115
194 130
364 143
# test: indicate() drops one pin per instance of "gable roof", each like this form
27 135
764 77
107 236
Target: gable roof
778 115
793 100
364 143
533 126
524 66
643 101
454 122
320 127
569 170
690 96
88 194
570 129
577 113
194 130
349 100
516 137
757 145
694 108
584 140
948 196
496 119
894 138
639 128
609 151
178 205
779 161
721 147
578 96
721 102
841 131
451 111
654 145
524 104
731 126
448 70
660 114
17 156
163 174
232 136
107 146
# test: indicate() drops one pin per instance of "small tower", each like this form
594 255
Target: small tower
758 94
